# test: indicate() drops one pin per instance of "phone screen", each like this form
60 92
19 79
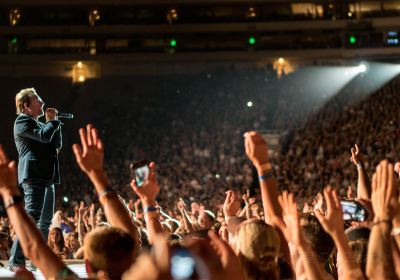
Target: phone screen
141 175
183 264
353 211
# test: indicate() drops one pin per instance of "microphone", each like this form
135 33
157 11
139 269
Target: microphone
65 115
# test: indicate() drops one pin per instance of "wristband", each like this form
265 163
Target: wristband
148 209
389 222
359 166
106 191
228 218
268 175
12 201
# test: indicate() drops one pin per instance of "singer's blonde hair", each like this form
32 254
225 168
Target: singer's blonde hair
24 97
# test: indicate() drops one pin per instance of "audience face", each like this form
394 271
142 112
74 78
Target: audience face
71 242
55 235
205 221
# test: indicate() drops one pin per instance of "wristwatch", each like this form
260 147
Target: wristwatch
12 200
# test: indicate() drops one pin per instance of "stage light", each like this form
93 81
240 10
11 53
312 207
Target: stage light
249 104
14 17
251 13
172 43
283 66
80 72
352 40
172 15
362 68
252 40
14 41
94 16
65 199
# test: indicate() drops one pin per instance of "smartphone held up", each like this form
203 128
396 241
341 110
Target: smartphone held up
353 211
140 172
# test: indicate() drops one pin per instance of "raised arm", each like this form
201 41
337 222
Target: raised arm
384 196
396 218
230 208
148 194
333 224
31 239
290 227
187 223
363 184
90 156
257 151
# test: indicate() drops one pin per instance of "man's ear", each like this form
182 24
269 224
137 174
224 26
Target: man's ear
26 106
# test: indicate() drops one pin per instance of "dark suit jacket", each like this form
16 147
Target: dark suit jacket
37 145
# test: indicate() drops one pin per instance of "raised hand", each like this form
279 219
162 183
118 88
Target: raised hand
92 209
319 205
90 154
332 221
256 148
231 204
8 173
149 190
384 191
355 155
290 225
349 193
82 208
181 204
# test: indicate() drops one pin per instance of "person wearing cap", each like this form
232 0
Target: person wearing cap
257 246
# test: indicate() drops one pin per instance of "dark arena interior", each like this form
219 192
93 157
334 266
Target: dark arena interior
206 139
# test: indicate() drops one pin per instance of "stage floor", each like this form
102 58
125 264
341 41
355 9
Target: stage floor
76 266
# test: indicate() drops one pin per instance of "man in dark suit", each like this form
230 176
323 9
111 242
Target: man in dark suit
38 170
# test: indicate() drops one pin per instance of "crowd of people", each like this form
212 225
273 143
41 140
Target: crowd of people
274 242
217 205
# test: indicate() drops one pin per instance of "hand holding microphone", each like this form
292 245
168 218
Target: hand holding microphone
53 114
